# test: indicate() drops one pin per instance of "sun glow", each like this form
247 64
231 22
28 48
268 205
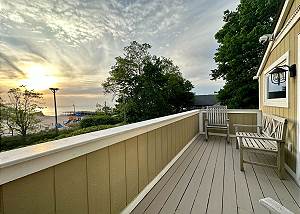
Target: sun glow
39 77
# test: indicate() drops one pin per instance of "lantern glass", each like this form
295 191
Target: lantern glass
278 75
276 85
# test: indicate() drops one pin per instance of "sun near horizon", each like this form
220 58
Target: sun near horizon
39 77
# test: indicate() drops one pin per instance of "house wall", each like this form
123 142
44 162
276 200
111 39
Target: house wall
289 43
103 181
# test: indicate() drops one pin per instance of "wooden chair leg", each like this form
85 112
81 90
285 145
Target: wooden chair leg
280 161
241 158
237 142
206 133
228 140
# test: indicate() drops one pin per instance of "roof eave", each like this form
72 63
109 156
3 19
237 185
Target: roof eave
284 12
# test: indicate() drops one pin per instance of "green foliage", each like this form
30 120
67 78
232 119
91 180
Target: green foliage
147 86
239 53
96 120
8 143
22 108
2 121
104 110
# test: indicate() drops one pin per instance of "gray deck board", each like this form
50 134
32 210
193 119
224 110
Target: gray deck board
286 199
143 205
187 200
207 179
255 190
157 204
201 200
229 193
244 204
171 204
217 189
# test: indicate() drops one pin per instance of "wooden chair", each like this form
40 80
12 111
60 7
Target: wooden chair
269 139
274 207
217 118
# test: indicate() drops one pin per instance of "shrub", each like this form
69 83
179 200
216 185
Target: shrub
13 142
97 120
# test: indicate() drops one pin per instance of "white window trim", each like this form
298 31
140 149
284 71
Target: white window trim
298 117
279 102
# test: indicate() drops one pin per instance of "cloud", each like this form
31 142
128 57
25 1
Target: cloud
82 38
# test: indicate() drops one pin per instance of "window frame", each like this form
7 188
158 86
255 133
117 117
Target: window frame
277 102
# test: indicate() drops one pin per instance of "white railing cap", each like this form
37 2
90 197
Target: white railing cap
238 111
27 160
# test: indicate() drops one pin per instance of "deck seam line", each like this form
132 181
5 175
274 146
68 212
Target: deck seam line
249 156
191 177
248 191
194 144
275 171
291 194
180 178
269 179
234 174
224 164
213 176
202 177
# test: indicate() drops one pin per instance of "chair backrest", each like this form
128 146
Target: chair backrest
217 115
274 126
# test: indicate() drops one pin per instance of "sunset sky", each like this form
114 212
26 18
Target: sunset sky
71 44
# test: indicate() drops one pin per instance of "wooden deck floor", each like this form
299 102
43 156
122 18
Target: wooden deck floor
207 179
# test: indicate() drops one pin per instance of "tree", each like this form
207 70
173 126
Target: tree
147 86
2 122
22 109
6 121
239 53
103 110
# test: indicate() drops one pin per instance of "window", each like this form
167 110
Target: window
276 94
276 90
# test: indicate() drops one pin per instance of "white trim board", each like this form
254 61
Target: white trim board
298 117
284 13
236 111
148 188
292 174
290 24
18 163
279 32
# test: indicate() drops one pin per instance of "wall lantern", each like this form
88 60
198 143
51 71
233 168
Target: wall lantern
278 74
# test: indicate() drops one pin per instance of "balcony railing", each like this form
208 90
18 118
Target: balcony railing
100 172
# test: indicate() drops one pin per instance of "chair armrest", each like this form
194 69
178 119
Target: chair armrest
242 125
274 206
237 126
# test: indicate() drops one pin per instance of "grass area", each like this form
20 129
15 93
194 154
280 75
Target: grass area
13 142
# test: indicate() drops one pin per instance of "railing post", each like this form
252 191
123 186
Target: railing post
258 120
200 121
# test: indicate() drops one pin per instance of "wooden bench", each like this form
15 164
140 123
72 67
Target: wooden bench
269 139
216 118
